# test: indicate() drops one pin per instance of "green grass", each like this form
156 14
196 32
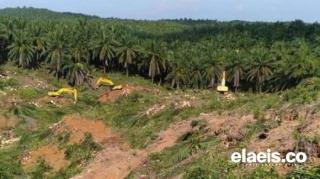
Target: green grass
40 169
9 163
7 83
306 92
127 115
30 93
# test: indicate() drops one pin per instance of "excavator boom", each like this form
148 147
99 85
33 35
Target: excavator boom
61 91
223 87
108 82
104 81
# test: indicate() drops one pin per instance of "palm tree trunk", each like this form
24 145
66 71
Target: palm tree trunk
260 88
57 74
127 71
212 81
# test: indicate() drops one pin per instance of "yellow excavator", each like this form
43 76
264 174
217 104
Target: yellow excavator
61 91
223 88
108 82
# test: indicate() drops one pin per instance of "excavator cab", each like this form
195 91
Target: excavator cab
223 88
61 91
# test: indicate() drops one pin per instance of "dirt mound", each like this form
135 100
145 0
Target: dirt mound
7 122
78 126
7 135
53 156
155 109
279 139
9 100
112 96
177 101
311 129
228 127
112 163
168 137
59 101
27 81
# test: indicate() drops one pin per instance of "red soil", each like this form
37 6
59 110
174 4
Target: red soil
53 156
112 96
117 161
78 126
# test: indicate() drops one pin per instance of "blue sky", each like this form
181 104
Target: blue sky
253 10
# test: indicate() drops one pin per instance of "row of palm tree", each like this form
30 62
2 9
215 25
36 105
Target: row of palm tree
71 49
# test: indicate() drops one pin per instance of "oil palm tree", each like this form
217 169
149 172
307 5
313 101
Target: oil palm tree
295 62
212 71
235 72
177 77
157 61
76 72
56 52
302 64
281 53
21 50
236 69
39 41
7 29
127 53
104 49
261 67
196 78
79 53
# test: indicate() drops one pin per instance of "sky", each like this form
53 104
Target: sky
251 10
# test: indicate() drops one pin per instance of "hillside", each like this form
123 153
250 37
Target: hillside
32 13
157 112
147 131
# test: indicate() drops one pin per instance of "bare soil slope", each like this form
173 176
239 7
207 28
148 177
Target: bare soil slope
116 161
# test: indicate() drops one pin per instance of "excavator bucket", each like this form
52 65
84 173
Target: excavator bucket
118 87
108 82
222 88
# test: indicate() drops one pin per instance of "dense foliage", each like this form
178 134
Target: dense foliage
182 53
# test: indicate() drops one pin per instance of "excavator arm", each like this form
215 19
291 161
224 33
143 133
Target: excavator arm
108 82
104 81
223 88
61 91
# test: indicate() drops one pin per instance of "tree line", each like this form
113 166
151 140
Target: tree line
181 53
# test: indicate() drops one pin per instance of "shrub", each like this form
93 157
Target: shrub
306 92
197 173
263 172
40 169
79 153
7 83
311 173
29 93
